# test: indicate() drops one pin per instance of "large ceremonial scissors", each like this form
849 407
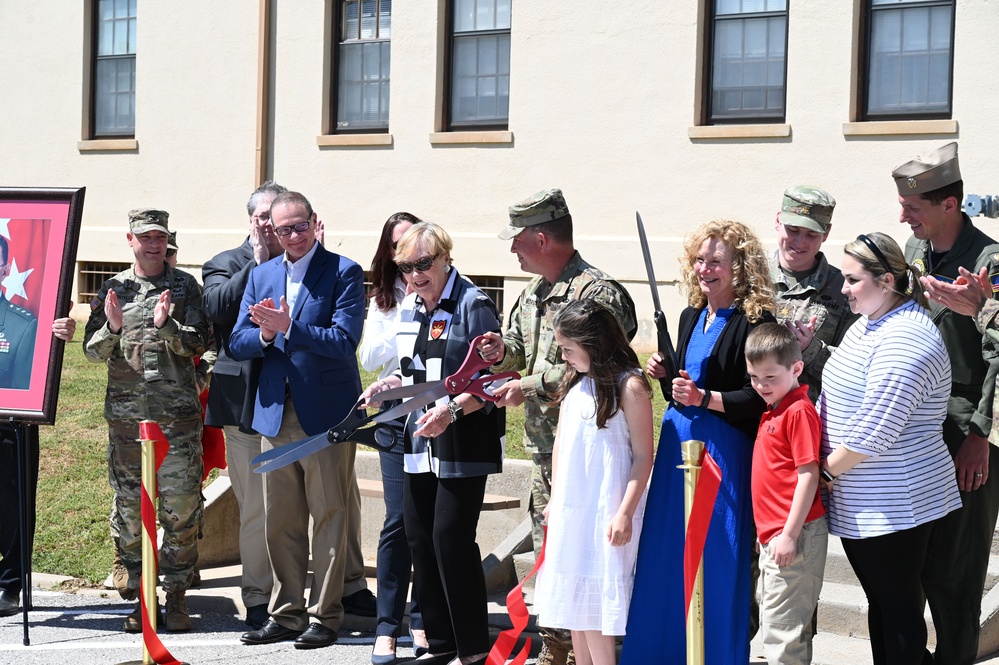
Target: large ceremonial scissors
353 427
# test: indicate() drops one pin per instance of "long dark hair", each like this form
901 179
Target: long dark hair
598 331
383 269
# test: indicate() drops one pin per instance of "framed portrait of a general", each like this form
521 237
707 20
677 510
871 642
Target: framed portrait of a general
39 231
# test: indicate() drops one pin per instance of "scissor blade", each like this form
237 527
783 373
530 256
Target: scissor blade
402 392
647 255
294 452
418 402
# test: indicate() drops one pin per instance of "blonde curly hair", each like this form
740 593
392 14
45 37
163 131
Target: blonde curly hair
754 290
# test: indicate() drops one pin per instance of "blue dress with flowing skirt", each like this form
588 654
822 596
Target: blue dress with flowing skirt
656 619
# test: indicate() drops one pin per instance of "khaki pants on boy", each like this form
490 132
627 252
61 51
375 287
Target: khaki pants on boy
789 595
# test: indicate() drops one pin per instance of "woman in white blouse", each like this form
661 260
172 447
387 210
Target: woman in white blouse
378 350
887 471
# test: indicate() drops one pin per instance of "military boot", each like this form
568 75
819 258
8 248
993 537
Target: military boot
553 652
177 619
119 577
133 622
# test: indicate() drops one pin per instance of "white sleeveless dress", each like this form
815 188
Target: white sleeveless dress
585 583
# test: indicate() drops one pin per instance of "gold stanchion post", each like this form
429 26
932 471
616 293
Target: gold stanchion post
149 554
692 453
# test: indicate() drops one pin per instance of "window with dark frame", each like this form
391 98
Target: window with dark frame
113 91
748 64
479 65
908 64
363 66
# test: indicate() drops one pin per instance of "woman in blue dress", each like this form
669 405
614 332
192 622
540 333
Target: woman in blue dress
727 279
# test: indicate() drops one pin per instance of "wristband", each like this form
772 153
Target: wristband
706 400
826 474
455 410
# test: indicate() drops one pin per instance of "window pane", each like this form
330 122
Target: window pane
753 6
114 96
485 15
502 14
121 8
363 89
747 75
910 60
727 7
385 19
464 15
131 35
480 89
756 38
368 19
487 55
940 29
915 30
351 22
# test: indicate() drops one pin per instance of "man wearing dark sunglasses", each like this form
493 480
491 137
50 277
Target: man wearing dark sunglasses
302 315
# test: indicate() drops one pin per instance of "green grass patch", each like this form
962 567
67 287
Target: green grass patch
74 498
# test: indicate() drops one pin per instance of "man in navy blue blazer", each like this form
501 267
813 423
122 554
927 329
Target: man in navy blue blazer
302 313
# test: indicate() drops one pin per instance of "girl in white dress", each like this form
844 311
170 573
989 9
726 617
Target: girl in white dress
600 468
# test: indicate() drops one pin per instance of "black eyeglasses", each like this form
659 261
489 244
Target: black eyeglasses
301 227
422 265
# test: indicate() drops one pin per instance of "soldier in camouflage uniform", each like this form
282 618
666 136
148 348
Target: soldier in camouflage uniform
541 230
944 240
147 323
810 299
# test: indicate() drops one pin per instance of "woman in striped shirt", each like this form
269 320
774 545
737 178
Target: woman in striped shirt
887 471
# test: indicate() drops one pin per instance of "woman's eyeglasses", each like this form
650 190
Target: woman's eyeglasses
422 265
301 227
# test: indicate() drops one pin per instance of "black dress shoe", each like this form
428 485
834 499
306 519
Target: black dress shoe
257 616
10 603
270 633
361 603
316 637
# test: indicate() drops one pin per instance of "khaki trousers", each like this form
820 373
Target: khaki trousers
318 485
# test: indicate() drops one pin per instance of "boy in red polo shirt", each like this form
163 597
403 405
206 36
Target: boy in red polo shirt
790 519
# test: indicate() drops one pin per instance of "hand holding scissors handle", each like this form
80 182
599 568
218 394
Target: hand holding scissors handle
462 381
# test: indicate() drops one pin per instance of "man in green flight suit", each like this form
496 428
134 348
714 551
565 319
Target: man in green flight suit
541 232
147 323
944 240
18 329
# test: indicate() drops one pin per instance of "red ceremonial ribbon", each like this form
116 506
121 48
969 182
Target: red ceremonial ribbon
517 609
697 525
150 431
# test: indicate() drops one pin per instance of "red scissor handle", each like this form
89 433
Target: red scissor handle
464 381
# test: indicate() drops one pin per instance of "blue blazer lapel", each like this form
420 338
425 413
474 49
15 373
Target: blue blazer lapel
310 282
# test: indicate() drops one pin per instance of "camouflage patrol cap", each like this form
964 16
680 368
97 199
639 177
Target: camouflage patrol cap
937 168
808 207
546 206
171 243
144 220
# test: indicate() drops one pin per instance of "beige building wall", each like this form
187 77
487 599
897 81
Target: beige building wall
602 104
